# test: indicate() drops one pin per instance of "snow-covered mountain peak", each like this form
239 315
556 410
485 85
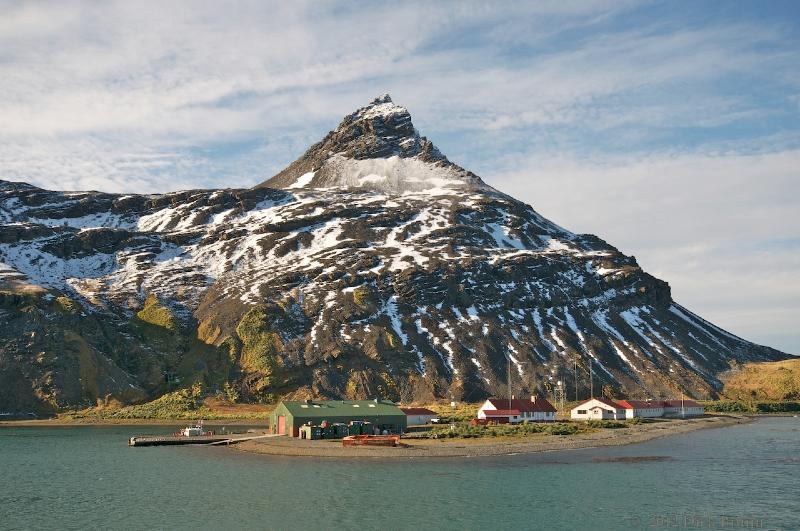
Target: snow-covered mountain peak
382 107
377 148
379 269
383 98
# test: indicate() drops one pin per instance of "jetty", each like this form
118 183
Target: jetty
176 440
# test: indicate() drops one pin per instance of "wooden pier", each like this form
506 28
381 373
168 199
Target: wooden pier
172 440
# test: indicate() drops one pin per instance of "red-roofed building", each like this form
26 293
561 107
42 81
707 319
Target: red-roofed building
605 409
517 410
416 416
598 409
642 408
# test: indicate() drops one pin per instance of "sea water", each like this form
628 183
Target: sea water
741 477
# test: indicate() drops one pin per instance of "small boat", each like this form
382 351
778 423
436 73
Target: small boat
371 440
194 431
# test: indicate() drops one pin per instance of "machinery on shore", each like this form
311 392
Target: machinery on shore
371 440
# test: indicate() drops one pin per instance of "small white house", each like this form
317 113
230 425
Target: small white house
598 409
517 410
642 408
417 416
687 408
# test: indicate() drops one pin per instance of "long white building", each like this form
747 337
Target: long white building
642 408
606 409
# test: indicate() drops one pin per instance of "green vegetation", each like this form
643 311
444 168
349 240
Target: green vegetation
464 430
184 403
770 387
750 406
259 351
387 386
362 295
67 305
190 404
156 314
390 339
231 394
463 412
609 424
772 381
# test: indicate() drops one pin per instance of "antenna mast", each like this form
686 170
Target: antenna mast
560 394
508 358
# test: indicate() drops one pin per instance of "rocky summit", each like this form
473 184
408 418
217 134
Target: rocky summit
370 266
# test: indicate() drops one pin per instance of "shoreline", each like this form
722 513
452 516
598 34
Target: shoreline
426 448
61 423
489 446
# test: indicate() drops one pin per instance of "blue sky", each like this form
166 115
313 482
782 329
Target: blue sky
670 129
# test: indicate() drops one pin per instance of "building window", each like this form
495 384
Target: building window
581 412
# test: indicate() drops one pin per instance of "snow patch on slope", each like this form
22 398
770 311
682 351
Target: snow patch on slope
302 181
393 174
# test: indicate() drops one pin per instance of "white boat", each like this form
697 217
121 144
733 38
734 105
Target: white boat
194 431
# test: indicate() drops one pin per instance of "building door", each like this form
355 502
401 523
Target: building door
281 425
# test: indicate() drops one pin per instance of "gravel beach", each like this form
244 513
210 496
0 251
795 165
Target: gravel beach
489 446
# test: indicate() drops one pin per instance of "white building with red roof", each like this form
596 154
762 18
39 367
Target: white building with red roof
598 409
642 408
605 409
517 410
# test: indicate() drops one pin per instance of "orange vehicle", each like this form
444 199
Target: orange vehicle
371 440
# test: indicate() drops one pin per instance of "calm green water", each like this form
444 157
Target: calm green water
87 478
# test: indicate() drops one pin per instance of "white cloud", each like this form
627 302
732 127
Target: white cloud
166 69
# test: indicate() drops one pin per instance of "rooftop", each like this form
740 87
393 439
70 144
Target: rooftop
521 404
641 404
417 411
341 408
605 401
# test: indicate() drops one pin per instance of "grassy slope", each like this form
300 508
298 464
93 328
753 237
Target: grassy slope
754 387
186 404
779 380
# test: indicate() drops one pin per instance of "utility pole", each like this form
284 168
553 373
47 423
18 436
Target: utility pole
508 357
576 376
591 378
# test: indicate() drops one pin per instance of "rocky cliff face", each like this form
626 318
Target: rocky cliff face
372 265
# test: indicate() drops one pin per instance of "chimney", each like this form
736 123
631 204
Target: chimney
533 398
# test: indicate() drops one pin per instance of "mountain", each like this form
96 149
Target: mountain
372 265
